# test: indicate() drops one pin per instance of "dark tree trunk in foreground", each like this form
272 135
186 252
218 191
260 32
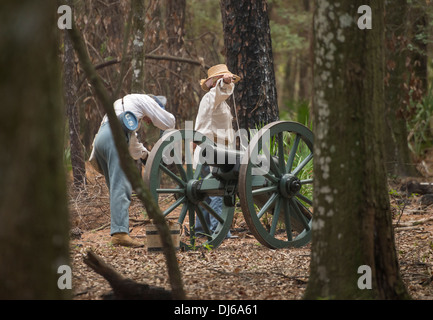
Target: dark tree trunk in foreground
248 48
353 241
33 203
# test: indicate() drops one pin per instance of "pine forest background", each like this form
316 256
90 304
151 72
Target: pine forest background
198 38
191 32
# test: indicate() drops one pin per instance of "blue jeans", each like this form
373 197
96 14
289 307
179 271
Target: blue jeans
118 184
216 203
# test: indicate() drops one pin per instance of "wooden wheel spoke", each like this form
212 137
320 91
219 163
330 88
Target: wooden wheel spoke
292 154
257 192
299 214
191 217
302 164
188 159
179 167
172 175
200 216
212 212
265 174
274 168
307 181
271 178
197 171
174 206
170 191
305 199
275 217
287 219
267 205
183 213
281 161
307 211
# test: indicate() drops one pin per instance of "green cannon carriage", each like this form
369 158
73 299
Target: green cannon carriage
273 179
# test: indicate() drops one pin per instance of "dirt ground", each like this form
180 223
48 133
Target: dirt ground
241 268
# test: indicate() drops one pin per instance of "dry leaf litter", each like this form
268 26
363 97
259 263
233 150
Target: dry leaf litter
240 268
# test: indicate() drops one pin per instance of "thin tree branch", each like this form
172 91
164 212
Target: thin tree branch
150 57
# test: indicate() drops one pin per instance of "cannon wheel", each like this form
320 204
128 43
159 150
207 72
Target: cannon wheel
174 187
277 203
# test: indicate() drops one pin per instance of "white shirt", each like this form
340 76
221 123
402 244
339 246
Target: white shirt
142 105
214 117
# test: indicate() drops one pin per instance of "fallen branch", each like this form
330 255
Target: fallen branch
413 223
399 229
102 227
417 187
124 288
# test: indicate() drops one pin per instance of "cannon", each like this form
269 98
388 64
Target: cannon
272 178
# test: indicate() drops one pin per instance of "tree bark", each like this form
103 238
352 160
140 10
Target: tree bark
248 49
352 219
70 89
176 87
138 14
33 204
397 155
418 16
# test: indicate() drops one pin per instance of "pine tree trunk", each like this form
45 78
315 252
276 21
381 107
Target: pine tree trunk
33 203
248 48
420 37
138 14
352 218
69 88
175 26
397 155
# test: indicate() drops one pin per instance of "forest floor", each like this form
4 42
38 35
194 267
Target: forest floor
241 268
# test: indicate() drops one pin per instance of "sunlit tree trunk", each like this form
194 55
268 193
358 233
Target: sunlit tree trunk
353 242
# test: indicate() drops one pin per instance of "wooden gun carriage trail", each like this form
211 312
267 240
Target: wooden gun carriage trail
273 179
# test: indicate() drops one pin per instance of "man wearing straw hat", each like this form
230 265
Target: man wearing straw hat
105 158
214 120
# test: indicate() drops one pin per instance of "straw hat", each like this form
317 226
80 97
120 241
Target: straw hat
215 71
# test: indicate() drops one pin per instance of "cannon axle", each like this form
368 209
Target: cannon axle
290 185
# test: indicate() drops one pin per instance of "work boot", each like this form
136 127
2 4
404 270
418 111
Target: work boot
123 239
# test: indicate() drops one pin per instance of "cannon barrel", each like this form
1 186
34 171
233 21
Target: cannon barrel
220 157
